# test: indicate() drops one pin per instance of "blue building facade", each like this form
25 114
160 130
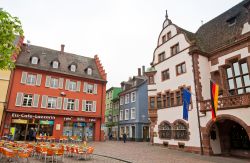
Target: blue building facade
133 118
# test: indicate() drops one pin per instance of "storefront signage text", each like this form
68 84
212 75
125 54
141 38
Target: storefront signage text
79 119
33 116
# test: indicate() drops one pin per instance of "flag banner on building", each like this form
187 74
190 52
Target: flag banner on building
186 102
214 89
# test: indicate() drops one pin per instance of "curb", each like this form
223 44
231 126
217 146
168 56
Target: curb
113 158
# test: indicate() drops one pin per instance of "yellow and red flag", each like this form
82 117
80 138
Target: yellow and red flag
214 89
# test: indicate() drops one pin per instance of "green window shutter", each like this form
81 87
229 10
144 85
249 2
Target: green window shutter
47 83
36 100
59 103
61 83
76 104
94 106
85 87
83 105
65 103
78 86
24 77
19 99
38 79
95 88
44 101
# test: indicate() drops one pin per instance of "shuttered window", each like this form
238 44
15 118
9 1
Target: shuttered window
76 104
59 102
47 83
31 79
19 99
71 104
24 77
52 101
27 99
44 101
61 83
38 79
36 100
89 106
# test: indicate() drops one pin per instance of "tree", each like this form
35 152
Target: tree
10 29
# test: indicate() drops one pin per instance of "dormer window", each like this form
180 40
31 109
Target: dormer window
55 64
231 21
34 60
169 35
89 71
73 68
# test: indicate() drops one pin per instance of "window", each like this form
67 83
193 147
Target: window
52 102
54 83
159 101
180 131
231 21
90 88
121 100
126 114
175 49
169 35
180 68
89 106
133 97
121 114
34 60
238 78
73 68
150 80
168 99
165 75
164 99
161 57
31 79
178 98
132 113
71 103
126 98
163 39
27 100
55 64
89 71
165 131
171 99
152 102
72 85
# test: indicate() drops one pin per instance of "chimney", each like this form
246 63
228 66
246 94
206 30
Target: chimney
139 71
143 70
62 48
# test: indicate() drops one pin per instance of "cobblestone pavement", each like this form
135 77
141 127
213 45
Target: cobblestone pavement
141 152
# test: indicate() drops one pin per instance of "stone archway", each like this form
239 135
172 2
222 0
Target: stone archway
222 125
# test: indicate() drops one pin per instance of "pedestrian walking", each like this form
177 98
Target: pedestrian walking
124 137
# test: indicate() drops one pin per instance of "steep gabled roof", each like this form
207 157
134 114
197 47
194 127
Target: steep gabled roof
47 56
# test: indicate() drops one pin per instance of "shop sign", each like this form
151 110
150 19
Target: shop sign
92 120
47 122
20 121
67 118
32 116
80 119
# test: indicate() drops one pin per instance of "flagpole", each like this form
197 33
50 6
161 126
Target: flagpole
197 106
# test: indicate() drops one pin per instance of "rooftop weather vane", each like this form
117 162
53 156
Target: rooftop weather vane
166 14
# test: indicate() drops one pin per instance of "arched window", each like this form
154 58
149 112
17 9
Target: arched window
180 131
34 60
165 130
55 64
73 68
89 71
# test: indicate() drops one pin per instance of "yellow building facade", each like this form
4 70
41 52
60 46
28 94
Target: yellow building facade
4 84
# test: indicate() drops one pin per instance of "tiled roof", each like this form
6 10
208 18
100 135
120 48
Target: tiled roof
217 32
47 56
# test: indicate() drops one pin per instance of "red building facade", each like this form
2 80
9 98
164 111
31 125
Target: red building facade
56 93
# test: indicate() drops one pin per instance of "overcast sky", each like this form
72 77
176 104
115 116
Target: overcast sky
122 32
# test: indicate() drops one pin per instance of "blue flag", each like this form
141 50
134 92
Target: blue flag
186 102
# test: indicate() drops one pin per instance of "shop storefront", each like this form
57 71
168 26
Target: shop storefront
21 125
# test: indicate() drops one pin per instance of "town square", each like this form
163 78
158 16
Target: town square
125 81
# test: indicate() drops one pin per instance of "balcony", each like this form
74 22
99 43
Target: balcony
152 113
229 102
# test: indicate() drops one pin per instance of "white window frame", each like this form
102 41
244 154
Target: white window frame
89 71
27 98
126 98
71 104
73 68
55 64
90 88
133 96
72 85
89 106
34 60
31 79
133 112
51 101
54 82
121 100
126 114
121 115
